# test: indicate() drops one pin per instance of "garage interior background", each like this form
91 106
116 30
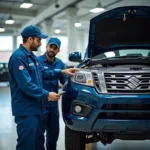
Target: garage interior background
66 19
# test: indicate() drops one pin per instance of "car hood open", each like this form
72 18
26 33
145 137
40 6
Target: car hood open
120 28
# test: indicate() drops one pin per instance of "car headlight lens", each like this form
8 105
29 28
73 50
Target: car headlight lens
83 77
80 77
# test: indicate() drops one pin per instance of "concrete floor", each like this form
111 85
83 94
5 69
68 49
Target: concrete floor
8 131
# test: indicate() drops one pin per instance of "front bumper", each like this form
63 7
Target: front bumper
114 120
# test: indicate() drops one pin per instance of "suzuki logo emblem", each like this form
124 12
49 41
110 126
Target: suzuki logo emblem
133 82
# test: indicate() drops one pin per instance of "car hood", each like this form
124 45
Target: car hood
120 28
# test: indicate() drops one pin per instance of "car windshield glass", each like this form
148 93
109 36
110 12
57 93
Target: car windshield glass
124 53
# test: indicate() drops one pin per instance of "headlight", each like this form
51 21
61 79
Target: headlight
80 77
83 77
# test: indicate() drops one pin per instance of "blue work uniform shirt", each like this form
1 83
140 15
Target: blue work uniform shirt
25 77
52 85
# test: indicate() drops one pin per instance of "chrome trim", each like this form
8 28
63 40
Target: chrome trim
123 82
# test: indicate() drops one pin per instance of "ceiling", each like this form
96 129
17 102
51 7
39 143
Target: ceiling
46 9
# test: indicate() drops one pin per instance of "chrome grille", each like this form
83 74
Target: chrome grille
127 82
96 81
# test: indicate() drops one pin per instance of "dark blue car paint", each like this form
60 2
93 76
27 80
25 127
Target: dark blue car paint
88 95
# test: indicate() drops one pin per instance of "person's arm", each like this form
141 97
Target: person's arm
56 73
64 77
48 74
18 68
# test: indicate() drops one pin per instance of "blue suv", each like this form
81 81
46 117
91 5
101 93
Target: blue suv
109 97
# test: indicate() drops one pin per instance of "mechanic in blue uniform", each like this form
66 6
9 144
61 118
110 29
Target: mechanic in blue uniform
50 117
27 93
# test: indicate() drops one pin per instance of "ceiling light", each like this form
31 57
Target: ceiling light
10 20
77 24
57 31
27 4
2 29
97 9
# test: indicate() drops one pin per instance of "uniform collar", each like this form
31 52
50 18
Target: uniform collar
24 50
45 58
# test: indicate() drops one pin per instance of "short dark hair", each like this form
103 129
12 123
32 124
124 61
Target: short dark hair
26 38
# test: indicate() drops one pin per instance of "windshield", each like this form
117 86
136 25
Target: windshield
124 52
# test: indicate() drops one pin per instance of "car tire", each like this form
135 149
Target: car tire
74 140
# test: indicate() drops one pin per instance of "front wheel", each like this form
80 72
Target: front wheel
74 140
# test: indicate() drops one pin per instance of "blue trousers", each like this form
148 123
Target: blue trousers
27 131
50 124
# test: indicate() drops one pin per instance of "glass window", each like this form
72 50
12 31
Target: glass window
137 52
42 48
6 43
63 54
124 52
19 41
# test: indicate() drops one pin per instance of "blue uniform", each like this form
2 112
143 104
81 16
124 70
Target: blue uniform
50 117
27 94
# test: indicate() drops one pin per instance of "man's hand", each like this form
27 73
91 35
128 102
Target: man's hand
70 71
53 96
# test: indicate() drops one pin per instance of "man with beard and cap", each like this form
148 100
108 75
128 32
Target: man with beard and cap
50 117
25 77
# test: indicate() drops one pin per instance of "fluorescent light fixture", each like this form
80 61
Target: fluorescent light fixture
77 24
57 31
27 4
2 29
97 9
10 20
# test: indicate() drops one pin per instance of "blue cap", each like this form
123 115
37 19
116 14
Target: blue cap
32 31
55 41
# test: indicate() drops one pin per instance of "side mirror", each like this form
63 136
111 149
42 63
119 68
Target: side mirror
75 57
